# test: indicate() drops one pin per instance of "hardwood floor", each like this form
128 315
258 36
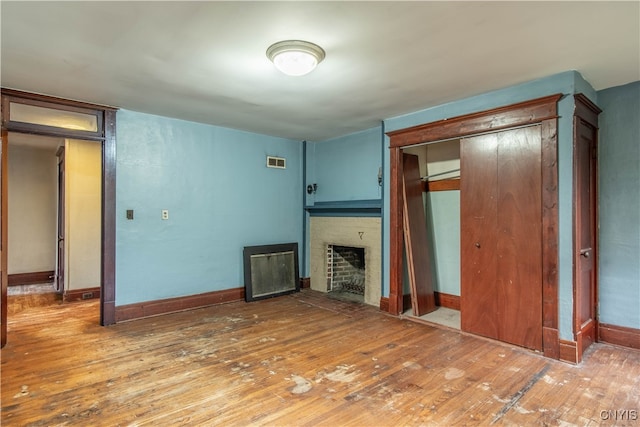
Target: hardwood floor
302 359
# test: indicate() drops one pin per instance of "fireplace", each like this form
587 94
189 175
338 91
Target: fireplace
346 270
355 243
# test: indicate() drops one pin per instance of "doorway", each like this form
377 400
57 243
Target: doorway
32 212
439 171
24 112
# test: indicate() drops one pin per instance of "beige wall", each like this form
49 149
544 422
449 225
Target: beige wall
437 158
32 207
83 160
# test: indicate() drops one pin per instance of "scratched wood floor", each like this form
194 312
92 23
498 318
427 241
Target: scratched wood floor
300 360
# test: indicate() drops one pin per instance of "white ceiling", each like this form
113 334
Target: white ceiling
205 61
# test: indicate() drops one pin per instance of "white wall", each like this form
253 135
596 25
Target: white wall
83 171
32 209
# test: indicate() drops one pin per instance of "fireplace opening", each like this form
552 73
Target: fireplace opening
346 272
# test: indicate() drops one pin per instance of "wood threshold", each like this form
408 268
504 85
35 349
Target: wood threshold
171 305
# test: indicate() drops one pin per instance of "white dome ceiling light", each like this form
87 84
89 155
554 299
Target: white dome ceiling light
295 57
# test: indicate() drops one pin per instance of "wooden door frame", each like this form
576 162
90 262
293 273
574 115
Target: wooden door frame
61 229
4 277
541 111
106 135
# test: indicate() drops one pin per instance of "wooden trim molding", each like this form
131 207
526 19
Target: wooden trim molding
586 110
172 305
551 342
31 278
568 351
550 238
81 294
619 335
108 279
447 300
54 100
442 300
384 304
441 185
521 114
396 241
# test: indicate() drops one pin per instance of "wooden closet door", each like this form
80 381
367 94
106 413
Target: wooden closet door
479 304
501 239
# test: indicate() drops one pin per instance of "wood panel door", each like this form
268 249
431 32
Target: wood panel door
501 236
415 237
585 296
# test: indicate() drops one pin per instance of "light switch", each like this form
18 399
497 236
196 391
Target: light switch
129 213
165 214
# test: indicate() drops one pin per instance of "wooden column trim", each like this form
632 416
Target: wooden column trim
4 228
108 279
396 240
550 236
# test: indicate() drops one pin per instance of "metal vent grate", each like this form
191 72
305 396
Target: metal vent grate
270 270
276 162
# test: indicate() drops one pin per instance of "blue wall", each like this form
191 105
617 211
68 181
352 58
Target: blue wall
220 196
619 205
346 168
443 225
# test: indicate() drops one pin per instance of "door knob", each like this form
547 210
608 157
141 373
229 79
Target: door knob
585 254
477 244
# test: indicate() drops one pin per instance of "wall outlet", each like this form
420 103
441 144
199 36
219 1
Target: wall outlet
165 214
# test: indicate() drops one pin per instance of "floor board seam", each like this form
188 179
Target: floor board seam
520 393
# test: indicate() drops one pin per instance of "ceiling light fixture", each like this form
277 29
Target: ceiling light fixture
295 57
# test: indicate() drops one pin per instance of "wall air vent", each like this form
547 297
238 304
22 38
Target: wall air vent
276 162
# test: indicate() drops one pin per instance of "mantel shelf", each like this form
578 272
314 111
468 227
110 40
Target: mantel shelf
346 208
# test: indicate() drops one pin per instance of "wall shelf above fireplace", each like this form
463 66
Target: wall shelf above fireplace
366 208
